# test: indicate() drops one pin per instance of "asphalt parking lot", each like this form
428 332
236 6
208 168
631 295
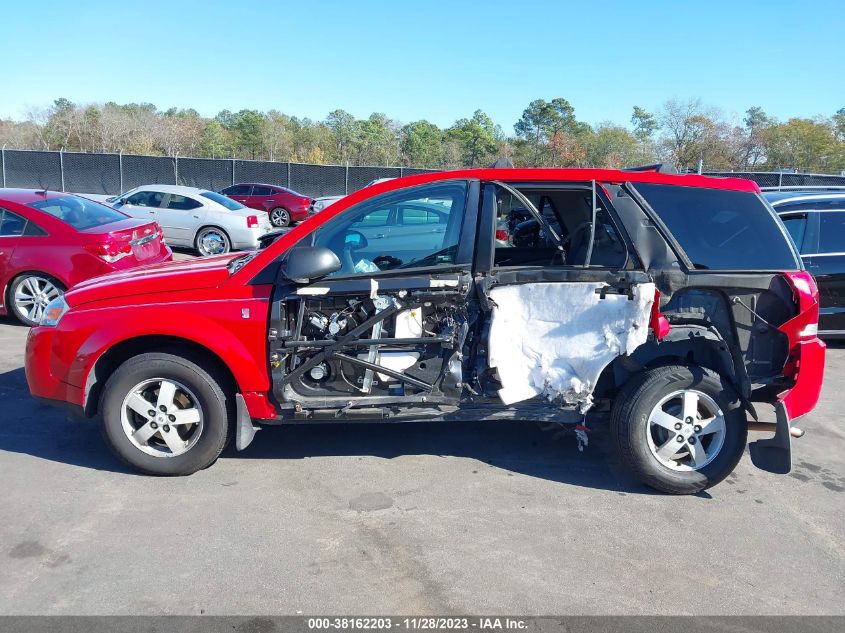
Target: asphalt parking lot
396 519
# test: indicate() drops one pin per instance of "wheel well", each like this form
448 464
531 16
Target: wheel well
700 351
123 351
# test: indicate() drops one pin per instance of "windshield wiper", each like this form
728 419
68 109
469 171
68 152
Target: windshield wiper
239 262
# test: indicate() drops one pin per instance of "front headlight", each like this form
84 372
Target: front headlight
54 312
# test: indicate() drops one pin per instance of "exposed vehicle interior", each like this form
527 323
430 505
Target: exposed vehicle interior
561 236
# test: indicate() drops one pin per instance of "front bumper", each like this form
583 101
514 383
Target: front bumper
43 382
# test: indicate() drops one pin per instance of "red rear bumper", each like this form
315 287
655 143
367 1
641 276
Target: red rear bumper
808 359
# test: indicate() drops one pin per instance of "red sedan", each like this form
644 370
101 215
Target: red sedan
50 241
283 206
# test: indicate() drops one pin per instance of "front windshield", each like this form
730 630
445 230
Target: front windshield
230 204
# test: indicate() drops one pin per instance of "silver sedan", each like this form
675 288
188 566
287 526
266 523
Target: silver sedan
196 218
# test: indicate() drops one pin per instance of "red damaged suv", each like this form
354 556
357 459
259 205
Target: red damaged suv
663 305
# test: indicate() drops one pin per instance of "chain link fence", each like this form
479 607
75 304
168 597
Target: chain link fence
784 179
112 174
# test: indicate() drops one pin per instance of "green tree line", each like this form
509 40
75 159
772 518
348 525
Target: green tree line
682 132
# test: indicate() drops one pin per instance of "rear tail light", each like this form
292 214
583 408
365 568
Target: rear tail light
110 252
251 221
501 235
805 325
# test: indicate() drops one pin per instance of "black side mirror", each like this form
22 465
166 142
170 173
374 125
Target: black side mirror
305 264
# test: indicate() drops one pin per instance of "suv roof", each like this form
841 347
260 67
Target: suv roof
578 174
784 197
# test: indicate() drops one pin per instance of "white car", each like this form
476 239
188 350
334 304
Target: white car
321 203
205 220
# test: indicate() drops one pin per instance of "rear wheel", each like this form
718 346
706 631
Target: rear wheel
213 241
279 217
165 415
679 429
29 295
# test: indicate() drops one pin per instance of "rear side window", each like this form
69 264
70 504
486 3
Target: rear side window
796 224
80 213
721 230
182 203
238 190
11 224
832 232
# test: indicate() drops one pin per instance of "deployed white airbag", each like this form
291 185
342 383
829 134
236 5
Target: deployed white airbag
555 339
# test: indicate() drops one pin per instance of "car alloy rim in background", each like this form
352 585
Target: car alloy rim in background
279 217
212 242
686 430
32 295
161 417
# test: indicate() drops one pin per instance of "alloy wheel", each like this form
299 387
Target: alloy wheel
279 217
33 295
162 417
686 430
212 242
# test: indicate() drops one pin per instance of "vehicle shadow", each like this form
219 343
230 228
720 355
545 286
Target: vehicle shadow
536 450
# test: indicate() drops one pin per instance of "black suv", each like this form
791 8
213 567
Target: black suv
816 221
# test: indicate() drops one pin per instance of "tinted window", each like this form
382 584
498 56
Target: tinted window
11 224
226 202
721 230
832 232
146 199
182 203
796 225
80 213
367 240
238 190
262 191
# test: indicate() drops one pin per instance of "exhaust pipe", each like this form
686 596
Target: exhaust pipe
770 427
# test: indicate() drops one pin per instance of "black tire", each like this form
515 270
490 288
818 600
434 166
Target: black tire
15 286
216 406
629 423
279 217
206 231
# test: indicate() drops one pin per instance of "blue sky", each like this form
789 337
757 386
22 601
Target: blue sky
425 60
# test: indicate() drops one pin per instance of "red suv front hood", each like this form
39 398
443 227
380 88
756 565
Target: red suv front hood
165 277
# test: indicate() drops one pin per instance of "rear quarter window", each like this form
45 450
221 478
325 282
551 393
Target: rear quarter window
722 230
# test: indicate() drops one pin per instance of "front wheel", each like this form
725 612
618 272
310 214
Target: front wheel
213 241
165 415
679 429
29 295
279 217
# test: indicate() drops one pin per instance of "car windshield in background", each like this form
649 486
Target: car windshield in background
722 230
80 213
220 199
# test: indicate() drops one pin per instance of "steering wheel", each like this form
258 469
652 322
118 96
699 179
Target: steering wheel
386 262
